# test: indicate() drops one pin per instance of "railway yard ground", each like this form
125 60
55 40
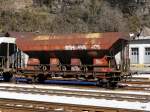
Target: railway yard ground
134 96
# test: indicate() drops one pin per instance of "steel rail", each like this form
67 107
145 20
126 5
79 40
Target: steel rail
77 93
33 106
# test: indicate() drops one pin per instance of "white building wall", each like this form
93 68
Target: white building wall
141 67
141 48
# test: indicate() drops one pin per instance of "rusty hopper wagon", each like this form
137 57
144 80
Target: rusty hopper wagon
74 56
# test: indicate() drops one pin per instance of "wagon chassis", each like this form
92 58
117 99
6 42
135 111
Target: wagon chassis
103 78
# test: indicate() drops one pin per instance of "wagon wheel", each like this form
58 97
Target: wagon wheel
103 83
99 83
112 84
7 76
40 78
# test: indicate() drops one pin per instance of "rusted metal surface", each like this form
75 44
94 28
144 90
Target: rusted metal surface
101 64
75 61
102 61
32 62
91 41
54 62
86 48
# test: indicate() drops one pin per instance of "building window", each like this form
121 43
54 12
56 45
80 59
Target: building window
147 51
134 56
147 55
134 51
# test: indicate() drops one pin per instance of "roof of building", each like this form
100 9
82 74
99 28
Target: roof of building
145 32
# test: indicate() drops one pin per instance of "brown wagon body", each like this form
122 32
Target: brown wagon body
91 41
90 55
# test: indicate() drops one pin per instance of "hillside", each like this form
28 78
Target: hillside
66 16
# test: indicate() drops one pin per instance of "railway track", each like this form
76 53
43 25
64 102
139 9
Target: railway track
136 87
72 93
137 83
82 93
34 106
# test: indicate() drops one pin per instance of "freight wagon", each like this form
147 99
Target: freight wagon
7 48
89 57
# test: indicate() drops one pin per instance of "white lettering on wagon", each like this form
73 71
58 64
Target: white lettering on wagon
75 47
